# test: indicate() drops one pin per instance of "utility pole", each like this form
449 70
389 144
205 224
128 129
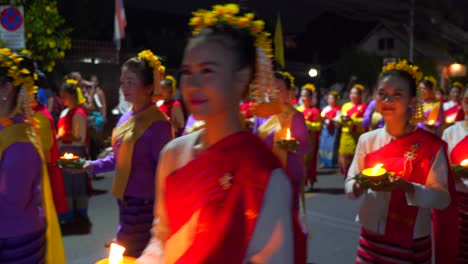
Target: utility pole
411 32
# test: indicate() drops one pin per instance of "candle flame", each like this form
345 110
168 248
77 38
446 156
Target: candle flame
450 119
376 168
431 122
464 163
68 155
344 114
116 253
288 134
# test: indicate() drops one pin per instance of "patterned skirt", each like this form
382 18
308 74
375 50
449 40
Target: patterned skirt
136 220
374 249
463 228
24 249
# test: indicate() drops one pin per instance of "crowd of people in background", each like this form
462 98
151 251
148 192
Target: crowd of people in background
205 146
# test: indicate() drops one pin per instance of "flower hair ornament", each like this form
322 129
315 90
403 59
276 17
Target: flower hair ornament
432 80
287 76
262 88
173 83
359 87
79 93
413 70
309 87
458 85
158 69
20 70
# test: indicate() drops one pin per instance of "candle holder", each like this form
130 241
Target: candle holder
70 161
125 260
461 170
290 144
375 177
431 124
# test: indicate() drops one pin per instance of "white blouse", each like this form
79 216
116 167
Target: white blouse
374 208
272 240
453 135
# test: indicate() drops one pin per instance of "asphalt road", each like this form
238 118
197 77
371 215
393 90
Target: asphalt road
330 218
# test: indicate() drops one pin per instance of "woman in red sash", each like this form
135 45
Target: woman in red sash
73 138
313 121
453 109
456 137
396 217
170 106
222 196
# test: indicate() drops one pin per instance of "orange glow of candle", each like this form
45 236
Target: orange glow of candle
431 122
464 163
344 114
374 172
288 135
116 254
69 156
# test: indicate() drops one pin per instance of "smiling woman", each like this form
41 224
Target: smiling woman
216 201
396 216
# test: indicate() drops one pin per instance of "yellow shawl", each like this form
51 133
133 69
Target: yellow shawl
54 245
129 132
278 123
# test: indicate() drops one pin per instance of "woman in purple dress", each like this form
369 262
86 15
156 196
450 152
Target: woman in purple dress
29 230
137 140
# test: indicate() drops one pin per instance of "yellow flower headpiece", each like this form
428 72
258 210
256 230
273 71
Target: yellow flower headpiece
309 86
228 14
288 75
431 79
173 83
359 87
158 69
263 88
21 76
152 59
403 65
457 84
72 82
334 93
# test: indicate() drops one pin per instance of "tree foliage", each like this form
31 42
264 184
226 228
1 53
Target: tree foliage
46 37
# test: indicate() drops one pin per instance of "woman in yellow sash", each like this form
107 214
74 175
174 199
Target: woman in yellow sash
137 140
29 230
434 118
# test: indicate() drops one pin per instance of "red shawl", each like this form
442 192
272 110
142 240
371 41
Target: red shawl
459 152
422 146
66 123
357 110
226 184
55 173
452 114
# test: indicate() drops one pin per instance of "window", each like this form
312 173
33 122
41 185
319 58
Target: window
381 44
390 43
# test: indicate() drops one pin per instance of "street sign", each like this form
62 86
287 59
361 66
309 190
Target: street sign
12 26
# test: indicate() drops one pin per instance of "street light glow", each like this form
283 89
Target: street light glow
313 72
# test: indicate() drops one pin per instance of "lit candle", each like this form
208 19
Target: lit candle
431 122
374 172
116 254
464 163
69 156
288 135
344 114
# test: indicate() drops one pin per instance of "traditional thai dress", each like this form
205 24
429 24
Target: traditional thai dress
48 137
173 109
372 119
314 123
350 132
456 137
329 138
433 112
396 226
453 112
218 206
273 129
29 231
77 186
137 141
